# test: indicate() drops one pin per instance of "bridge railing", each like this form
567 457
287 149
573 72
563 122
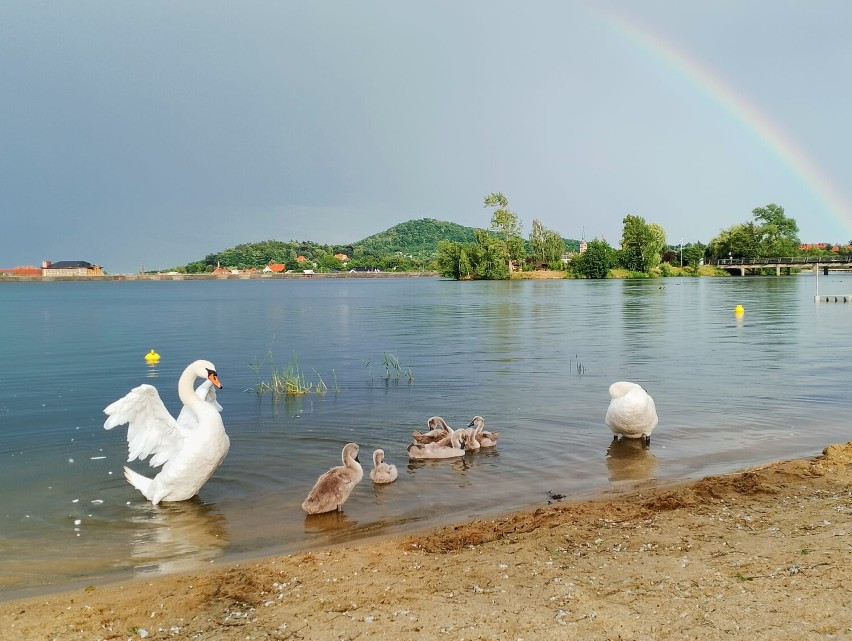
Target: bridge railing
782 260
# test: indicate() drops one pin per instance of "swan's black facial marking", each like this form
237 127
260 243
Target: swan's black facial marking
213 377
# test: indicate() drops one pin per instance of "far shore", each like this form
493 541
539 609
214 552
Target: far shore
205 276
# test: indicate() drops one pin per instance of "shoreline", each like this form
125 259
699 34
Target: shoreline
760 553
254 276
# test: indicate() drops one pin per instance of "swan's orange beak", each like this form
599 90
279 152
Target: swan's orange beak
213 377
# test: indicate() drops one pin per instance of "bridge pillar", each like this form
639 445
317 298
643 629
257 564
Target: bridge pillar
777 270
825 270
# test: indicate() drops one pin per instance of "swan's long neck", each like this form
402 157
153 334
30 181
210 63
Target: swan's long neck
454 437
352 464
186 391
441 423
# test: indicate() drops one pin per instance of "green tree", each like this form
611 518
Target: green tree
329 263
454 259
642 244
507 224
596 261
737 242
490 260
693 253
778 235
546 245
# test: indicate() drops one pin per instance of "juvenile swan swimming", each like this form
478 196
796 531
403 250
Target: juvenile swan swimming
438 449
437 431
189 448
631 412
485 439
333 488
382 472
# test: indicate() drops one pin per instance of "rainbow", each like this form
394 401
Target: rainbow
746 113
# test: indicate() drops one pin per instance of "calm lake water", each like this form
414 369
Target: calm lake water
535 358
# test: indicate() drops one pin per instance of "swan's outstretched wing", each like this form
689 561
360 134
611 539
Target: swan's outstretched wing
151 430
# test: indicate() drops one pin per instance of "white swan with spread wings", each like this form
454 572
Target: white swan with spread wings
188 448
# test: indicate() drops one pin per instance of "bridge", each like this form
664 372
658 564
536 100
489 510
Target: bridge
742 265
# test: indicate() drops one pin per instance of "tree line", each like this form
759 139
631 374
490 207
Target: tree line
462 252
643 249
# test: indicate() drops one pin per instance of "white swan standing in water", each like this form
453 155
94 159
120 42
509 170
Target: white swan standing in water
333 487
382 472
631 412
189 448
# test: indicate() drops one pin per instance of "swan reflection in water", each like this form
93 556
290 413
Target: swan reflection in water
179 536
629 459
328 521
458 464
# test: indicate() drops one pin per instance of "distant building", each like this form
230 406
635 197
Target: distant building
276 268
70 268
824 246
27 270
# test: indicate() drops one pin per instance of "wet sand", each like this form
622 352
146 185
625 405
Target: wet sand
758 554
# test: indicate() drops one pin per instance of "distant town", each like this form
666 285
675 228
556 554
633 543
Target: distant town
62 268
81 269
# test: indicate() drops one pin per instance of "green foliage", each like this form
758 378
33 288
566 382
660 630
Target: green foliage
490 260
254 255
287 382
417 238
409 246
772 234
642 244
693 253
778 235
454 259
738 241
546 245
507 225
330 263
393 370
486 259
595 262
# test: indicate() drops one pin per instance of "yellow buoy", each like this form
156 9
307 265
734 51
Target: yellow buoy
152 357
739 310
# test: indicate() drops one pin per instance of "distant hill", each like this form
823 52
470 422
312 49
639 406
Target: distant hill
417 238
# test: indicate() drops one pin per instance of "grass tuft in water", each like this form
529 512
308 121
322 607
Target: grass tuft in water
393 370
289 381
575 364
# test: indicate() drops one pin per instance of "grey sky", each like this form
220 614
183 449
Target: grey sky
155 133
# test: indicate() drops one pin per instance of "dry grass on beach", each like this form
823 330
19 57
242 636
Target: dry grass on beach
760 554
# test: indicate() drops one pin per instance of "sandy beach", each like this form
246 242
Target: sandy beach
758 554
